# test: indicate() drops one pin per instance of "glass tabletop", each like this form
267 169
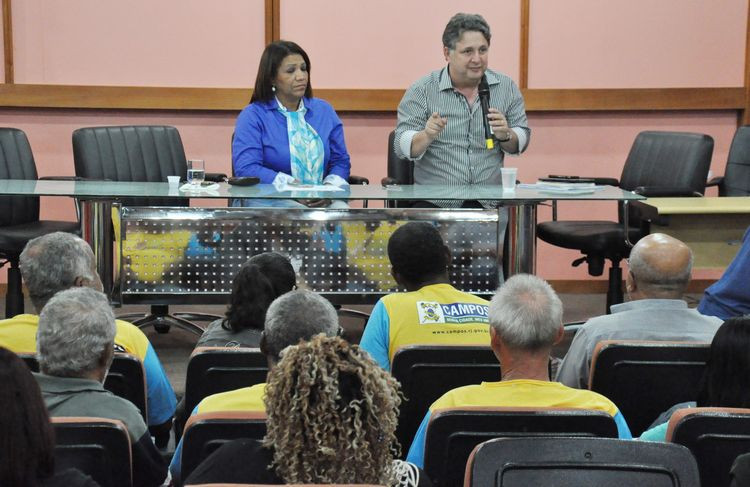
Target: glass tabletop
121 189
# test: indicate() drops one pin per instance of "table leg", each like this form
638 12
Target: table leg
96 229
521 239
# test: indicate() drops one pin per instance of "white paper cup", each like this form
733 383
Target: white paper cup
173 180
509 178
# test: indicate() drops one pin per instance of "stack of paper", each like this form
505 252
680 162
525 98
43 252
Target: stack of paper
562 188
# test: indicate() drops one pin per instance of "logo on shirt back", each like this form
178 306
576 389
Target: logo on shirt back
454 313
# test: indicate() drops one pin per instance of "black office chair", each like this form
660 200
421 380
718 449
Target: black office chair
205 433
659 164
715 436
453 433
573 462
137 153
400 171
426 372
736 178
98 447
19 215
645 379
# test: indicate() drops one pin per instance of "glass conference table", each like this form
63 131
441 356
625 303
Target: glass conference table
178 254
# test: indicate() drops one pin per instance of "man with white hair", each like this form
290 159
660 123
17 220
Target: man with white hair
525 322
75 338
292 317
659 273
58 261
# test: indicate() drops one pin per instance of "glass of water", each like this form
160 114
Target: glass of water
196 171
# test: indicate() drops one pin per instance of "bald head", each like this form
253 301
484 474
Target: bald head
660 267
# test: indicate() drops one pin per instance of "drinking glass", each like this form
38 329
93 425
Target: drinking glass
196 171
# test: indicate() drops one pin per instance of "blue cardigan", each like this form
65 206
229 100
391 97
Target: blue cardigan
261 145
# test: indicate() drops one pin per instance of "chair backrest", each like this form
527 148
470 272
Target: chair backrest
402 170
17 162
716 436
205 433
573 462
426 372
737 173
142 153
212 370
98 447
646 378
453 433
668 159
126 378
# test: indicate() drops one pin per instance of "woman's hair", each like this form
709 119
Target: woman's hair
268 68
726 381
26 436
332 415
262 279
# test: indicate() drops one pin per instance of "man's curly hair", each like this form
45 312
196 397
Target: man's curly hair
332 415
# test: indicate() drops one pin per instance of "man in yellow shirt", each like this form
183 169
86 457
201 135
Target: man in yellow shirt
525 321
291 318
59 261
432 312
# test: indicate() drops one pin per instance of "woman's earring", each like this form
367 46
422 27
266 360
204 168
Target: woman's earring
273 88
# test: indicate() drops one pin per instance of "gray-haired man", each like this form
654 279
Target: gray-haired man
76 339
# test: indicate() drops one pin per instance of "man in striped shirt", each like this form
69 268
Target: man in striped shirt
440 123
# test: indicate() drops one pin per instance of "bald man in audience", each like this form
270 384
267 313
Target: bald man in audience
659 273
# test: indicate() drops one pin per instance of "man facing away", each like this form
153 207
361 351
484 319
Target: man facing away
659 273
76 344
432 311
440 120
292 317
525 322
59 261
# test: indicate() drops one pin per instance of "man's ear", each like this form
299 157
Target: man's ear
560 334
494 338
263 345
630 284
397 277
446 53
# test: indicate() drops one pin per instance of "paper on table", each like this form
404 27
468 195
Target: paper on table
203 188
562 188
309 187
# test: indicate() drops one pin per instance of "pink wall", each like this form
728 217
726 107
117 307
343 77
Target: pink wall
138 42
636 44
390 43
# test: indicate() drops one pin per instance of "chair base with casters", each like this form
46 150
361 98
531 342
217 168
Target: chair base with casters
162 320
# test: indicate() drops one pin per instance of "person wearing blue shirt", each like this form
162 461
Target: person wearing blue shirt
730 295
285 136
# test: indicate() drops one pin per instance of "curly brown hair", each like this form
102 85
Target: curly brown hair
332 415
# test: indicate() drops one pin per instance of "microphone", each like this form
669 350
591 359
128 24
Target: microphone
484 100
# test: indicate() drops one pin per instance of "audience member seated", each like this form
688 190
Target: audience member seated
293 317
431 311
285 135
332 415
525 322
740 473
659 273
75 338
726 380
59 261
263 278
730 295
26 437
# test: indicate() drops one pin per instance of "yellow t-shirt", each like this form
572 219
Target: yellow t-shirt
244 399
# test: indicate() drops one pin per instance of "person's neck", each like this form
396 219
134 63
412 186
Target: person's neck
468 88
525 365
290 104
438 279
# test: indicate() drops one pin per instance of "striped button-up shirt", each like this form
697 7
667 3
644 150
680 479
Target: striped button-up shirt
458 155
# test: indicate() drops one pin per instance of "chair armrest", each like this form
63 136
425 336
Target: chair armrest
389 181
358 180
664 191
717 181
216 177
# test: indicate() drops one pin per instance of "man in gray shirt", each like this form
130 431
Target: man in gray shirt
659 273
440 123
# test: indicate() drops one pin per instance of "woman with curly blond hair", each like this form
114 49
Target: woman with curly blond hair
332 416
